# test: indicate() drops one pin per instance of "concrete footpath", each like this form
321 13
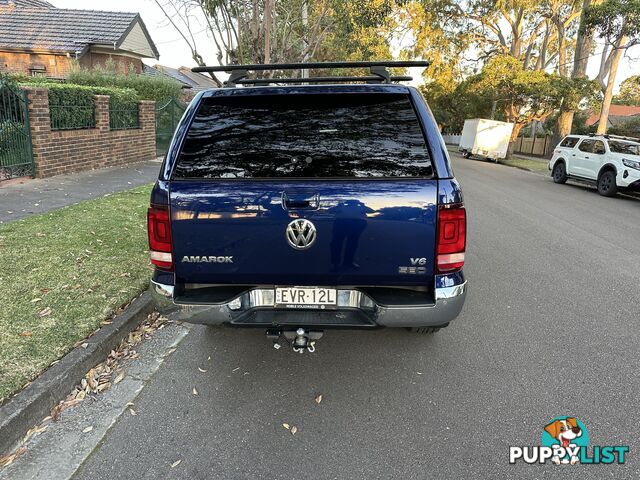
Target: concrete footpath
22 197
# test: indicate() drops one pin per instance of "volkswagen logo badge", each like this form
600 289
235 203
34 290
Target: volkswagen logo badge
301 234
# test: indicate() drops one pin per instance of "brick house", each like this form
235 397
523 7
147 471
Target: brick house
39 39
618 115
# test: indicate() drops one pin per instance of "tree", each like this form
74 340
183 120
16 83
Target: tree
582 51
524 29
451 105
524 95
629 128
284 31
618 23
629 91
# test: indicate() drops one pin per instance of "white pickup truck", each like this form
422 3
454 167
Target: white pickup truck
610 162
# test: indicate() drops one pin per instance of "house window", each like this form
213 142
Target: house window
38 72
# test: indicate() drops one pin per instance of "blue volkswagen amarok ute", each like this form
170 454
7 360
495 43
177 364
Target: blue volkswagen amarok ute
303 207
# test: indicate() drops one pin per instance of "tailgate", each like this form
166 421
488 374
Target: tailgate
367 232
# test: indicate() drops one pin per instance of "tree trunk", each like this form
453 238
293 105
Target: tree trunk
608 93
494 104
563 125
267 31
514 136
584 43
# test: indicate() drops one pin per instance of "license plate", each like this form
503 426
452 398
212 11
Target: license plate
305 297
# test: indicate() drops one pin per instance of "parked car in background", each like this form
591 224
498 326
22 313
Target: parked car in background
485 138
607 161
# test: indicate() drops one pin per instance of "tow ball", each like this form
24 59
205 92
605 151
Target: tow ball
300 339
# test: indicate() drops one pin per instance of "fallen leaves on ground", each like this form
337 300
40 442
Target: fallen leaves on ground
62 406
87 429
119 378
202 370
195 392
99 378
133 412
176 463
292 428
34 431
45 312
8 459
319 399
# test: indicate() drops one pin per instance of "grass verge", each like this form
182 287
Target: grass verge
62 273
533 165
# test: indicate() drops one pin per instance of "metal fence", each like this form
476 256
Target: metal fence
124 119
16 156
167 117
72 117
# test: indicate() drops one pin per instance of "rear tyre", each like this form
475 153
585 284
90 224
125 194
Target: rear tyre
426 330
607 184
559 173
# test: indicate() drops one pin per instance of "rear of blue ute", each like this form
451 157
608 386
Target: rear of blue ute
302 208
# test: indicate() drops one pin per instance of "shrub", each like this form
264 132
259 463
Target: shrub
629 128
73 106
148 87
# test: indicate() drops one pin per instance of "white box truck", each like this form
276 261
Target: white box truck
485 138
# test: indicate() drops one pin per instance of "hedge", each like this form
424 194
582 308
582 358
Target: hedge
73 106
157 88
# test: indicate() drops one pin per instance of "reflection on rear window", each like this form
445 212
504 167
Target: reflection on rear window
306 135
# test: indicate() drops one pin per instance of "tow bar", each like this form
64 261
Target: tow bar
299 339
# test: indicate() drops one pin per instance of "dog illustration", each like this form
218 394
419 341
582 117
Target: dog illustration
564 431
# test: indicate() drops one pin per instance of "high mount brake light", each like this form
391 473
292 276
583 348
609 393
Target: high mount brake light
159 229
452 238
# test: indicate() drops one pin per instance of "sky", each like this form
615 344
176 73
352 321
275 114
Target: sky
175 53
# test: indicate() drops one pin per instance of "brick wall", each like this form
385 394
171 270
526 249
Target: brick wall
67 151
54 65
58 66
121 63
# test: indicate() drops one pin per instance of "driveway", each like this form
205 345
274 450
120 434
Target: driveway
550 328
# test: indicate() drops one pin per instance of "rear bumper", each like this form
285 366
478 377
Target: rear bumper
355 309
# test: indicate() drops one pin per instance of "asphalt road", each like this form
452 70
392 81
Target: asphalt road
550 328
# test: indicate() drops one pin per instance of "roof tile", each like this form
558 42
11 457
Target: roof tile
54 29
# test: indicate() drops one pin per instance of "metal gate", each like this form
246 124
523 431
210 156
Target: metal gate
16 155
167 118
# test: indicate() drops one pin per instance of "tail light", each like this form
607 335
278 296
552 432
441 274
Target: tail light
159 229
452 238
